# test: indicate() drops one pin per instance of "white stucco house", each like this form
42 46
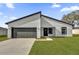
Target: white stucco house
37 25
3 31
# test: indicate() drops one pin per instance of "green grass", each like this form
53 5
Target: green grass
59 46
3 37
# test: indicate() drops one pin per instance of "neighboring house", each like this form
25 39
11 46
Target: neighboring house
75 27
36 26
3 31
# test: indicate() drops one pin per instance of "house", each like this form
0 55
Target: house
3 31
75 27
37 25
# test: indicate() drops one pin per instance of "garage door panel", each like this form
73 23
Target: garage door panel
24 33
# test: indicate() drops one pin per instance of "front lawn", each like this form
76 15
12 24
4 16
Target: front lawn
3 37
59 46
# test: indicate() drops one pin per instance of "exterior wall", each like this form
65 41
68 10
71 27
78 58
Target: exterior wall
46 22
40 23
9 32
75 31
3 31
42 33
32 21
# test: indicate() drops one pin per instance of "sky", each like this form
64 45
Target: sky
12 11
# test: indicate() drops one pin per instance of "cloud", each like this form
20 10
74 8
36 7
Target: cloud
13 17
10 5
10 17
72 8
1 13
56 5
5 16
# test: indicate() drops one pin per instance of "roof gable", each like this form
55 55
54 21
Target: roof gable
24 17
40 17
56 19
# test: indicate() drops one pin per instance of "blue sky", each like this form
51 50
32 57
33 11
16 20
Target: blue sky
11 11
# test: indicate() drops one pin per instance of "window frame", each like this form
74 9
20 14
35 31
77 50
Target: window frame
64 30
50 31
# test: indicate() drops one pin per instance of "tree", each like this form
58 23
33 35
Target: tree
71 17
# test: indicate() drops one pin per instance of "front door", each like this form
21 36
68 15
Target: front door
45 30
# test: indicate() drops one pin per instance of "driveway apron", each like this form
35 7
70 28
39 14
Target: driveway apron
19 46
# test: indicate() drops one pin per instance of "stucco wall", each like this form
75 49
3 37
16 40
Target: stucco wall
32 21
75 31
3 32
40 23
9 32
46 22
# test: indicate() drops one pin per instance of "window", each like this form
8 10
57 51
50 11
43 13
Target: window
50 31
64 30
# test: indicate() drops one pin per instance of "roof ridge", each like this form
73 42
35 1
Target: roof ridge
56 19
40 16
23 17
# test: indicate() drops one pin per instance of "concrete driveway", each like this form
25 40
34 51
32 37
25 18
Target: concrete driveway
19 46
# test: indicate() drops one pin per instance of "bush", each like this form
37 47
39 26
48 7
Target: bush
76 35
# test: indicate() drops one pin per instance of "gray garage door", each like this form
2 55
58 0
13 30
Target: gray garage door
24 33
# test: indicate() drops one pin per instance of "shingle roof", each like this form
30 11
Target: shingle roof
40 15
3 28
